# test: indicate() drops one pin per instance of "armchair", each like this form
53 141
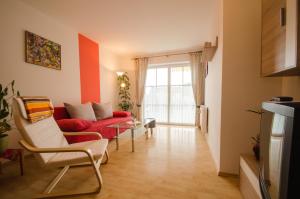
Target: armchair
45 140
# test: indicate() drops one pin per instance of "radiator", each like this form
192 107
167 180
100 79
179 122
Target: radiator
204 119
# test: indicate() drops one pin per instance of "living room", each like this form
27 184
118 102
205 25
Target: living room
192 68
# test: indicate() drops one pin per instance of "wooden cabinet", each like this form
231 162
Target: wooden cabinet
249 184
280 45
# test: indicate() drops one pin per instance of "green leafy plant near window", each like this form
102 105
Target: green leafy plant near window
125 103
6 94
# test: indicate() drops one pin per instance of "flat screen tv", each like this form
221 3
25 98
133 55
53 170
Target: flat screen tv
279 174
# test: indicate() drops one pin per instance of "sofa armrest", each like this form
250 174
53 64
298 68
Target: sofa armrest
121 114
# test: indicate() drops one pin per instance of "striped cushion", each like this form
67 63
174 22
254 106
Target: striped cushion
37 108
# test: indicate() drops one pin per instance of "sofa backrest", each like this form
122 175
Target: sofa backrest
60 113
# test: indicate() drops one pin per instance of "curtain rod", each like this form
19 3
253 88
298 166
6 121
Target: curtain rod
166 55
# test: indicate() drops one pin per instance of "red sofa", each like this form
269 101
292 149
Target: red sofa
97 126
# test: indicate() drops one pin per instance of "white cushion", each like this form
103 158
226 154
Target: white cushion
42 134
97 148
103 110
81 111
22 108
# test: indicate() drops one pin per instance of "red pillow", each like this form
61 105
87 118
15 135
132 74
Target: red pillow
121 114
73 125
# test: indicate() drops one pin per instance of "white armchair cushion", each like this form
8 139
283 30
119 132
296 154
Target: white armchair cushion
42 134
21 108
97 148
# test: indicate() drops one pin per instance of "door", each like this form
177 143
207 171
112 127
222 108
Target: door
169 95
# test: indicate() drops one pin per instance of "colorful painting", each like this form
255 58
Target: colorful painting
41 51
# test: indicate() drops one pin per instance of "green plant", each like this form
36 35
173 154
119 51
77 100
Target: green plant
6 94
125 103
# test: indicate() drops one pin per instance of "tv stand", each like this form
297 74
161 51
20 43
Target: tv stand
249 184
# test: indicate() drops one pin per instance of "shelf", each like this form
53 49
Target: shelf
249 183
209 50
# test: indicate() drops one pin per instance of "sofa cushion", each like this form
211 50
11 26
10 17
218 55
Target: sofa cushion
60 113
81 111
101 127
103 111
121 114
73 125
106 132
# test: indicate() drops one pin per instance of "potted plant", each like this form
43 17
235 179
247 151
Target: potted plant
125 103
6 94
256 139
256 148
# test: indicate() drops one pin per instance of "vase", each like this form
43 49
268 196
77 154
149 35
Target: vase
256 151
3 144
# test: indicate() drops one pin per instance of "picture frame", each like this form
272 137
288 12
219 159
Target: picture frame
41 51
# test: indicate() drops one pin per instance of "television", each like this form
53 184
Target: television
279 168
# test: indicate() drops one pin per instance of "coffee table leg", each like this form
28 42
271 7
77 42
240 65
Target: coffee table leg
147 133
132 139
151 129
117 138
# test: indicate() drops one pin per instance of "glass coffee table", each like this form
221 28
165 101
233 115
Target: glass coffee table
134 126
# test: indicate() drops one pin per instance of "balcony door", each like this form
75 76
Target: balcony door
169 95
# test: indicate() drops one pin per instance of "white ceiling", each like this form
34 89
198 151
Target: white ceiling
137 27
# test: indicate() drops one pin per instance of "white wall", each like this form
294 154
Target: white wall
111 63
241 88
108 84
61 86
291 87
213 91
169 59
30 79
213 98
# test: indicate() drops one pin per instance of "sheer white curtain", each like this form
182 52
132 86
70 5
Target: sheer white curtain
198 81
141 71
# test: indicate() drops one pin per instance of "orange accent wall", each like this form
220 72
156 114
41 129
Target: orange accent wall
89 69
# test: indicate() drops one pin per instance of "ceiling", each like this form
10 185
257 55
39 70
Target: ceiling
137 27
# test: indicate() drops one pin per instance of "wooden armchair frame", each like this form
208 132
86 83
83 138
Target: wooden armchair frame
92 162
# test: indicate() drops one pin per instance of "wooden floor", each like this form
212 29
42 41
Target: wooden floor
174 163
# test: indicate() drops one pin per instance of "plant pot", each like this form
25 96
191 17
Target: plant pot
3 143
256 151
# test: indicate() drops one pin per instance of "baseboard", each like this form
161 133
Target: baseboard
224 174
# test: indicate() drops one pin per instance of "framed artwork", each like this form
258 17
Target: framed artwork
42 52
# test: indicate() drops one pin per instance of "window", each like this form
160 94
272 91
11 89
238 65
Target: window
156 94
169 95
